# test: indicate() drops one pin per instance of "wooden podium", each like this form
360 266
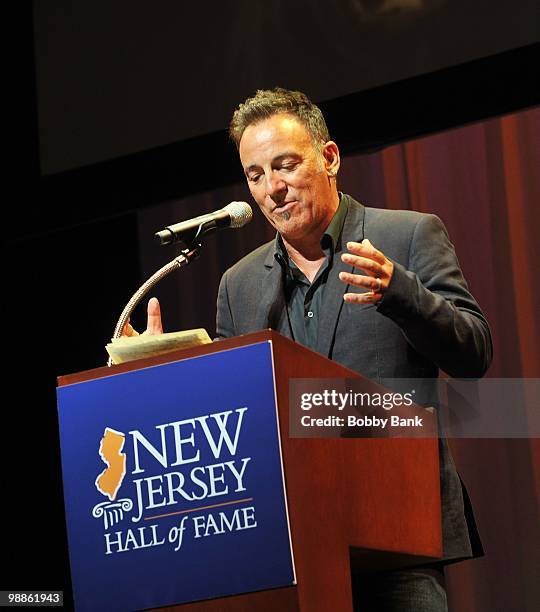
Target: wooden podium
367 503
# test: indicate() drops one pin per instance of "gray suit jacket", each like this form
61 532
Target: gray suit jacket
426 320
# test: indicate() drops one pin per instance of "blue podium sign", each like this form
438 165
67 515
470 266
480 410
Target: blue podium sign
173 482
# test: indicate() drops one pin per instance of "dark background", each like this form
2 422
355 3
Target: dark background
128 110
114 78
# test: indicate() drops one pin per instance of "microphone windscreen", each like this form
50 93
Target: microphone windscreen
240 213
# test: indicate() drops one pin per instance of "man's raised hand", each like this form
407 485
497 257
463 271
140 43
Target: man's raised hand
378 272
154 326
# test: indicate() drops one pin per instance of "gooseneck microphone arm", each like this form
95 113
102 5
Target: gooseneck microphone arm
185 258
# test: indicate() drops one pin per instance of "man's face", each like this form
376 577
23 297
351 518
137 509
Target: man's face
288 177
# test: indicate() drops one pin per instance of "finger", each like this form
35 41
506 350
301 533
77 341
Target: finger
364 282
154 325
369 297
366 249
369 266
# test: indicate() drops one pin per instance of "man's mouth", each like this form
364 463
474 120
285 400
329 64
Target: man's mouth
282 208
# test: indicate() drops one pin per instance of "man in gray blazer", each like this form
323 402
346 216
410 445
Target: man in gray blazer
379 291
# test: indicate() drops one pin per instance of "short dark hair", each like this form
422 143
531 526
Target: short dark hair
268 102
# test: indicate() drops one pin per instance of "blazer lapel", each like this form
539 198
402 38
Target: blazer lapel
272 309
334 290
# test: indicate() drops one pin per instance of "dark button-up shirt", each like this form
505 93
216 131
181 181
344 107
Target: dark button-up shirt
304 299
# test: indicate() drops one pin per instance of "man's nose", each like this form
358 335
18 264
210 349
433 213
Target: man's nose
275 186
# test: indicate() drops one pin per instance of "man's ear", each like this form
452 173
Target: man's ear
331 157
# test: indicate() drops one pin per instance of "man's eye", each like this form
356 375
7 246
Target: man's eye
254 178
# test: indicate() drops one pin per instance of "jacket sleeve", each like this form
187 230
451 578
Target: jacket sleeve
224 319
432 305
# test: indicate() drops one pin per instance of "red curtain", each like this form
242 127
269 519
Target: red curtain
483 181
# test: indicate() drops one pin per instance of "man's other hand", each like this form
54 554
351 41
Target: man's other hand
154 326
378 271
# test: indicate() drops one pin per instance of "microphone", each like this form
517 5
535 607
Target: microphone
235 214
